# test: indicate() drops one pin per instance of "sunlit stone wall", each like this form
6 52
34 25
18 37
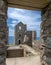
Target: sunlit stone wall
46 33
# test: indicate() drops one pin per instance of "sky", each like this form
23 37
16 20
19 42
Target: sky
29 17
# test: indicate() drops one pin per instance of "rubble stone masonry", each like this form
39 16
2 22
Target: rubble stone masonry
46 33
3 31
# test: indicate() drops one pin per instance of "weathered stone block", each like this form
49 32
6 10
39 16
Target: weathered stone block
3 30
46 32
2 59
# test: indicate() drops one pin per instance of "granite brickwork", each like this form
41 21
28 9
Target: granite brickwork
46 34
22 35
3 31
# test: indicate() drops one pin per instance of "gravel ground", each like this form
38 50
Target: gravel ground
32 60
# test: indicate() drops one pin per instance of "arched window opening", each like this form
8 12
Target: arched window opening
19 41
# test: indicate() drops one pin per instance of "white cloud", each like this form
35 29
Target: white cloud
13 25
11 32
30 20
14 22
35 27
19 10
21 17
27 19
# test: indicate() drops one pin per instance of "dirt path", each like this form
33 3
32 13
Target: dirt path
32 60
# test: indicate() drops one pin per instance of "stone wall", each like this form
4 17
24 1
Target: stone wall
13 53
46 33
20 29
23 36
3 31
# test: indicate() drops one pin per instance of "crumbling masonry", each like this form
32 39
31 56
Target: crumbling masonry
46 33
3 31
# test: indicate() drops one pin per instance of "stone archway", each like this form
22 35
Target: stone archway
45 32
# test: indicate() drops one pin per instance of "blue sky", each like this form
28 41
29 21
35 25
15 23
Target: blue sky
29 17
